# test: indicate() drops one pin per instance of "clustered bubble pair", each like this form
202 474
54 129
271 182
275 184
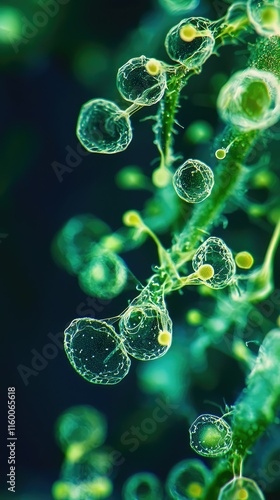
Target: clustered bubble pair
102 126
101 355
105 128
78 248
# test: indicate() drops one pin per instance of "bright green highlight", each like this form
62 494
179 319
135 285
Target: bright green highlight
10 25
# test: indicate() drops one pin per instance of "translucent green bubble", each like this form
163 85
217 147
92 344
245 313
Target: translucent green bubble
210 436
187 480
103 127
104 275
131 177
199 132
141 326
215 253
179 6
250 100
241 488
79 429
191 50
265 16
10 25
141 81
95 351
75 242
193 181
142 486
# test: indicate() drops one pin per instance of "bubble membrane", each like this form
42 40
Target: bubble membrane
193 181
210 436
95 351
136 85
241 488
103 127
215 253
250 100
191 54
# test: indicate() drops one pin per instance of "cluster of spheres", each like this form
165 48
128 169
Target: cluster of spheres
100 354
142 81
81 433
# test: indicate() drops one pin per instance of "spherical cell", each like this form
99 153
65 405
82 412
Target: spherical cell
241 488
215 253
190 42
95 351
140 327
76 240
142 81
142 486
179 6
210 436
193 181
104 275
250 100
244 260
81 427
103 127
205 272
265 16
187 480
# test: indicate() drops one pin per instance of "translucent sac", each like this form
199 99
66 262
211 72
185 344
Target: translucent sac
210 436
190 42
141 81
79 429
241 488
75 242
104 275
142 486
95 351
103 127
215 253
193 181
265 16
141 326
187 480
250 100
179 6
